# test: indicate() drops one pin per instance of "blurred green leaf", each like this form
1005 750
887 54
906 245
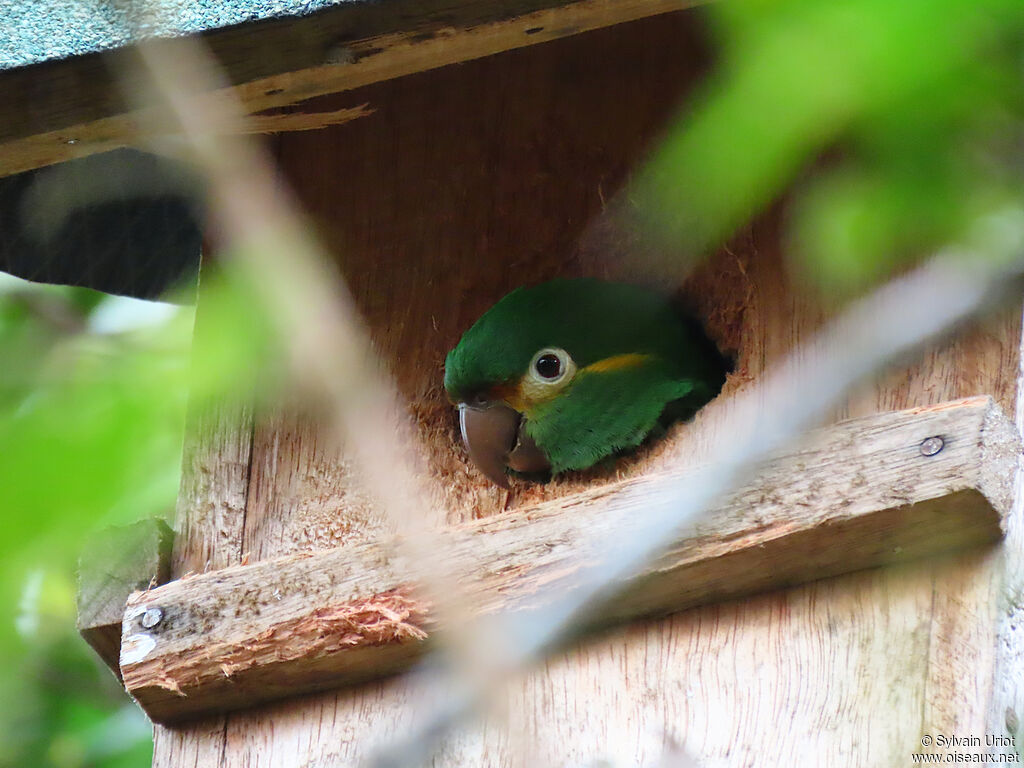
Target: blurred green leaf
93 392
920 100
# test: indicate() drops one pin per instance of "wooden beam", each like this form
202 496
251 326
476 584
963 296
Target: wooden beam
865 492
114 563
65 109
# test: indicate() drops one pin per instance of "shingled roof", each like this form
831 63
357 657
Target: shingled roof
33 32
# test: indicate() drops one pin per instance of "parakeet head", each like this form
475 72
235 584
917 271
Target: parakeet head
560 375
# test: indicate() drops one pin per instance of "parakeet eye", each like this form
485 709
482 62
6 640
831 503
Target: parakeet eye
550 366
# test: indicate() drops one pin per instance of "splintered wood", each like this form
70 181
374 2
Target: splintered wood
874 490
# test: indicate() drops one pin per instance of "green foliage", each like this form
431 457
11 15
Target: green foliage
93 391
59 706
913 111
91 421
90 434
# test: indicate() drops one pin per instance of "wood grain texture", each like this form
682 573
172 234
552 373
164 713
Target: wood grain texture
1006 595
468 181
71 108
216 465
852 496
209 519
212 498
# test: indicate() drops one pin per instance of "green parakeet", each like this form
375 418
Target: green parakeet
561 375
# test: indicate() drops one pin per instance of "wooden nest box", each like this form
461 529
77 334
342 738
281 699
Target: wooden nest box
857 595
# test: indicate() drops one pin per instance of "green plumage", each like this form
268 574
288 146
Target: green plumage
599 412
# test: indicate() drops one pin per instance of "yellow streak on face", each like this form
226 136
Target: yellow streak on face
617 362
528 393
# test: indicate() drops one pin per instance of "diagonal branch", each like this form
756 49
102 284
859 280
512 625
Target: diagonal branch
893 322
329 349
263 234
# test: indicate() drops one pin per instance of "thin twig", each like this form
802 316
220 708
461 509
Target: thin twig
261 230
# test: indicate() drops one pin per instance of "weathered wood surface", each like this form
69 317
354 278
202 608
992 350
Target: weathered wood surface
855 495
216 467
471 180
210 515
115 562
64 109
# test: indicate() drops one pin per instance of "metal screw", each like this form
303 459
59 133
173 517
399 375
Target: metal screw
152 617
931 445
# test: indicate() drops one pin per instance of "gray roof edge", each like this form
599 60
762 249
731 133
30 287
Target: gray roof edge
35 32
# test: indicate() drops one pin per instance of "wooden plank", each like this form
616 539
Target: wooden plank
212 498
216 463
66 109
114 563
855 495
211 512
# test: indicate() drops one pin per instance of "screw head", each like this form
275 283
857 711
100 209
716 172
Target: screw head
152 617
932 445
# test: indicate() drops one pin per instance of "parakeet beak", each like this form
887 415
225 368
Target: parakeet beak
495 441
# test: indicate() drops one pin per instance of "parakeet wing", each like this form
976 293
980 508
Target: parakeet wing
603 413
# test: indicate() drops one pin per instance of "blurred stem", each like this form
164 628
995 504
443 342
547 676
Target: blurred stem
893 322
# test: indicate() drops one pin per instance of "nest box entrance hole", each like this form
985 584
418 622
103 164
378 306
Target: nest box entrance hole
469 181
